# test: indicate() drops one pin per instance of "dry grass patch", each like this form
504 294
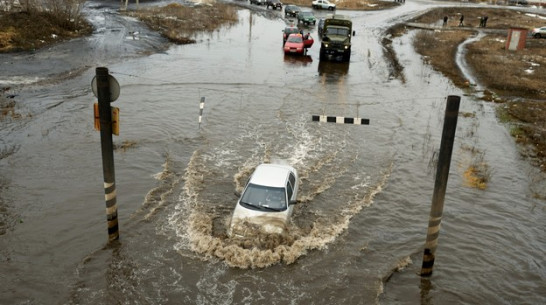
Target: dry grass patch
509 73
180 23
439 50
477 176
20 31
499 18
478 173
125 146
529 128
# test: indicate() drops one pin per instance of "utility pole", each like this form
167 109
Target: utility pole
442 173
105 115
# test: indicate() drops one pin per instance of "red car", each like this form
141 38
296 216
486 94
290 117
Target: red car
297 44
287 31
294 45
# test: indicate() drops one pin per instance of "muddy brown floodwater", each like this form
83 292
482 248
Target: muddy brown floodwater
359 228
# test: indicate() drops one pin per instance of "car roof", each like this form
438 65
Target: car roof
295 35
274 175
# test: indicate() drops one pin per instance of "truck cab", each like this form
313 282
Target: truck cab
336 38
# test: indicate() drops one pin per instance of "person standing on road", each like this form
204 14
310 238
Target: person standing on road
481 21
445 20
485 21
461 20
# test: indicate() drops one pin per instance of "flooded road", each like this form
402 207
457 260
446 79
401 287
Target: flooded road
365 190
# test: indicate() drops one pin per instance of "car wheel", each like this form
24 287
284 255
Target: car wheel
537 35
331 8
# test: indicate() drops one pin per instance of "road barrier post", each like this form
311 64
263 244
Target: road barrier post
107 147
201 106
442 173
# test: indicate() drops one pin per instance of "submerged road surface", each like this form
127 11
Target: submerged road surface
365 189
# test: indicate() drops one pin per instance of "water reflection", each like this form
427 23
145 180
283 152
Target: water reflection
333 72
333 68
302 61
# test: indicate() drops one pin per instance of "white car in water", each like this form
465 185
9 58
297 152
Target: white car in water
266 202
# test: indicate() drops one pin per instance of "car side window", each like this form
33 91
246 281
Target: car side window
290 186
289 190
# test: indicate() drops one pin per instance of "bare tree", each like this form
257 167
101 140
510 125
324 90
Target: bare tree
68 12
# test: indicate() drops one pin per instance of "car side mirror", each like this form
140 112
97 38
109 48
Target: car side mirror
291 202
237 194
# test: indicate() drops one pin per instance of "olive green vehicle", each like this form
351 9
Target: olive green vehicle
336 38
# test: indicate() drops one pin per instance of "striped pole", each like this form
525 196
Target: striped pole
107 147
442 173
340 120
201 106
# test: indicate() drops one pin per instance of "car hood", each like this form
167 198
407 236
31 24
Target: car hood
293 45
245 221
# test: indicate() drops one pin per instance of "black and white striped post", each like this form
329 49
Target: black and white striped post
107 147
201 106
440 185
340 120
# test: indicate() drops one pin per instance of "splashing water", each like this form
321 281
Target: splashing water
200 220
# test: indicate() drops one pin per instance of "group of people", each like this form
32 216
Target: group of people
483 21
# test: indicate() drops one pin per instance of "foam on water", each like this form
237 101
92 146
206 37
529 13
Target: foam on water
19 80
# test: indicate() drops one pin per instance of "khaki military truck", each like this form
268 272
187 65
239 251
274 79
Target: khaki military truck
336 38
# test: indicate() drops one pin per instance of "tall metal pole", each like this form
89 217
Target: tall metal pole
442 173
107 147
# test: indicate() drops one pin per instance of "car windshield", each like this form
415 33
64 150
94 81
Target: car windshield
337 31
264 197
289 31
306 14
295 39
